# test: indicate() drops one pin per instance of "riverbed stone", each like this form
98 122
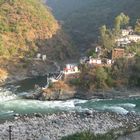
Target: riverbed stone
55 126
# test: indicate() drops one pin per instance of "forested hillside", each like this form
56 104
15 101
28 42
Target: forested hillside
82 18
27 27
23 25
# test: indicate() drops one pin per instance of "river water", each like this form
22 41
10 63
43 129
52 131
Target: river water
12 102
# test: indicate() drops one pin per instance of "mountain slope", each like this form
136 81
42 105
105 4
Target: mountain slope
82 18
27 27
22 22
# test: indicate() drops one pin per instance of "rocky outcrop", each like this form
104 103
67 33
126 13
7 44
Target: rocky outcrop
54 92
3 75
58 95
59 91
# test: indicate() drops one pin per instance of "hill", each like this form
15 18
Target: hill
27 27
82 19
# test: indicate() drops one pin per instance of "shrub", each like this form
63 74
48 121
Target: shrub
90 136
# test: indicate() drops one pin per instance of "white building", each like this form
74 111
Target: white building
109 61
71 69
44 57
125 32
84 60
122 41
127 40
127 37
134 38
98 49
95 61
38 56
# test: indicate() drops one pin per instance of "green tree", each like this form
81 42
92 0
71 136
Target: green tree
137 26
117 23
107 38
92 53
120 72
120 21
103 30
135 73
101 77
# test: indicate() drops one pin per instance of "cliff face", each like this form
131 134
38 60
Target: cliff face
27 27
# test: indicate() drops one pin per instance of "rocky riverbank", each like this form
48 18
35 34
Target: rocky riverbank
55 126
109 94
63 91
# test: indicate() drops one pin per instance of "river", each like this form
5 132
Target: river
12 102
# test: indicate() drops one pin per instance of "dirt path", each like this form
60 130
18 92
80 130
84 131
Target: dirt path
133 136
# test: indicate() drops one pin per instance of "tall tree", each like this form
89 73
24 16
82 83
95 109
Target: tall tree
137 26
120 21
107 38
101 77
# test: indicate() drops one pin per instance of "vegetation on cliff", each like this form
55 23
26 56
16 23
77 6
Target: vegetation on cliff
22 23
124 72
27 27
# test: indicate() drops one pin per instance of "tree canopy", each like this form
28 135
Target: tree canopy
120 21
137 26
107 36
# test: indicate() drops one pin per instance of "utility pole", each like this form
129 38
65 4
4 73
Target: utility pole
10 131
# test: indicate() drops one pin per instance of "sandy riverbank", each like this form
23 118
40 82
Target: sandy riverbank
55 126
